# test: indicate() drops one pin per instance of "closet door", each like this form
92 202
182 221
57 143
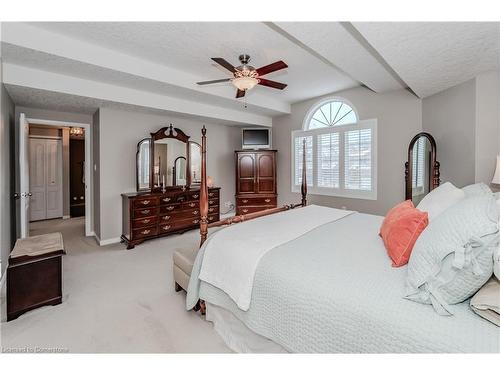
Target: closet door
38 203
54 178
266 174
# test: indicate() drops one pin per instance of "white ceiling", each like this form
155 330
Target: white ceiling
188 46
433 56
167 59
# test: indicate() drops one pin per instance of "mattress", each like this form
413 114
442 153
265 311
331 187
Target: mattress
333 290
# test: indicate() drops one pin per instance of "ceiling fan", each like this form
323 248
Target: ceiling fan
246 77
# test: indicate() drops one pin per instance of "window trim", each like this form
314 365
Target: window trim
310 113
336 192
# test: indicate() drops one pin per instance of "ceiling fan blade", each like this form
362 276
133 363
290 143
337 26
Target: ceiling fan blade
240 94
214 81
271 68
224 63
273 84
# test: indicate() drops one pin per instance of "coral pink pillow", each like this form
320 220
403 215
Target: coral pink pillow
400 230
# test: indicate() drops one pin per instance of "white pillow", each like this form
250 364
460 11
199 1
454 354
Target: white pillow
496 263
440 199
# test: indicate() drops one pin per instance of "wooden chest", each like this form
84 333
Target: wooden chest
34 274
153 215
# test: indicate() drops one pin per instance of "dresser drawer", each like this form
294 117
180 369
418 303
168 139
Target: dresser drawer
152 211
213 209
186 214
242 210
190 205
145 202
145 232
169 208
213 194
212 218
144 222
256 201
213 202
178 225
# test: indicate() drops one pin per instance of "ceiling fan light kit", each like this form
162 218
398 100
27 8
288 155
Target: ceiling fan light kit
246 77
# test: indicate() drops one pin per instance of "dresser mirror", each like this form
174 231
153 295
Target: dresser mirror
164 160
142 164
422 168
195 153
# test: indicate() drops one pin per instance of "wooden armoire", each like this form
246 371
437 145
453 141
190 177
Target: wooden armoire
255 180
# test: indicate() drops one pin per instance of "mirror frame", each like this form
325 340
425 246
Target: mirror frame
137 165
174 170
174 133
434 173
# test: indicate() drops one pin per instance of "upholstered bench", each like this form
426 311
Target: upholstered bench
183 265
34 274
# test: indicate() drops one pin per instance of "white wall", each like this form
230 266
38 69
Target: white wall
450 117
487 125
120 131
399 115
6 134
465 120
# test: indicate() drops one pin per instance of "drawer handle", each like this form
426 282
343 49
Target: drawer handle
245 200
166 227
210 218
195 212
211 209
145 202
195 196
192 204
196 221
145 221
147 231
244 210
267 200
166 199
145 212
166 217
210 202
210 194
170 208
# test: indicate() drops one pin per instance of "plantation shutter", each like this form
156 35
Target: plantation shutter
419 163
328 163
358 159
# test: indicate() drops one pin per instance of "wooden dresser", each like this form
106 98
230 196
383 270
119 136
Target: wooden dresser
148 215
255 181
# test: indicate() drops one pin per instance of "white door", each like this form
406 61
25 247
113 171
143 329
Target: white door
53 177
38 186
24 178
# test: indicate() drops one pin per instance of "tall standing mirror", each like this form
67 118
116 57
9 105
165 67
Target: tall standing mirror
422 168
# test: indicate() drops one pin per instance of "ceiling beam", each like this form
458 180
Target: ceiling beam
43 80
32 37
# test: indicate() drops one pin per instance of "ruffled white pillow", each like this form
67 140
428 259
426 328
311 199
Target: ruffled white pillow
453 257
440 199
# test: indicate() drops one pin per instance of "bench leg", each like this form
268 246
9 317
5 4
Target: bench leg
178 288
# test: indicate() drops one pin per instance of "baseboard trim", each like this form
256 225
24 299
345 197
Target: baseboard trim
109 241
66 217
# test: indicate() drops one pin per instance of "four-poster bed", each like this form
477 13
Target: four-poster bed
316 279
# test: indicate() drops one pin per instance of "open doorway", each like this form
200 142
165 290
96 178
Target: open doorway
57 176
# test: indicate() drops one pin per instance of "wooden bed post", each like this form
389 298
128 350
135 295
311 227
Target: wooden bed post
203 188
303 188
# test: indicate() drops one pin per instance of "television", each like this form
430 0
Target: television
256 138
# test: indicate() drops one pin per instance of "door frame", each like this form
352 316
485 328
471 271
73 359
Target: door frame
88 163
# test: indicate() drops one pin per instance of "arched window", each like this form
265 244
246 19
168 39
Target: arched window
331 112
340 151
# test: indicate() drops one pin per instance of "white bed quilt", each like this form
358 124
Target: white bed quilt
232 255
334 290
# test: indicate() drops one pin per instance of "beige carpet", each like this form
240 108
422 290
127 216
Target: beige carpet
115 300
